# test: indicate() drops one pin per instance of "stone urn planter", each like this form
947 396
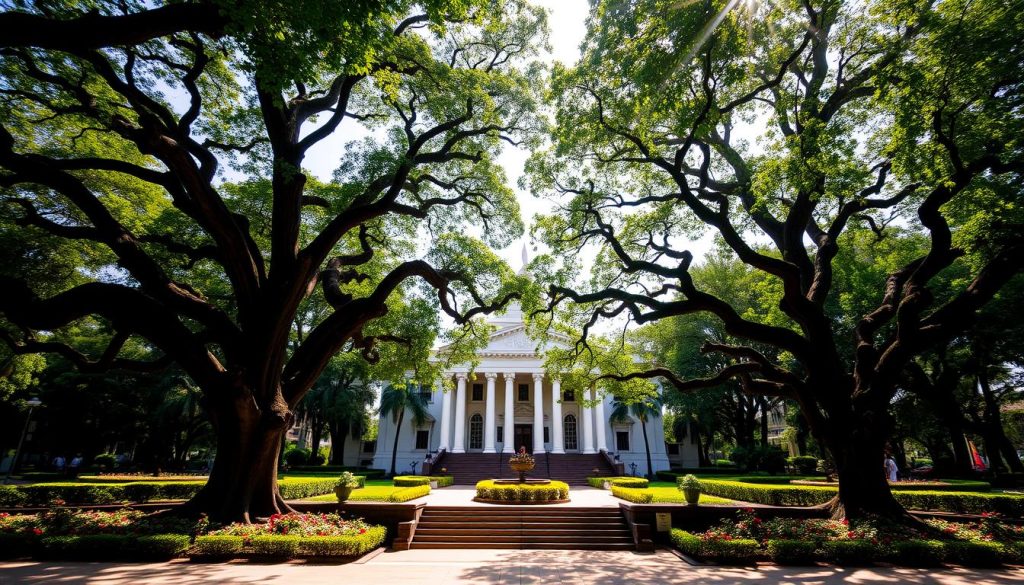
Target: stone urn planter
691 488
343 492
521 463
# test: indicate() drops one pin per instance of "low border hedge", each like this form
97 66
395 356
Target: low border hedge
735 551
100 547
217 546
635 495
413 480
277 546
911 553
409 493
791 495
624 481
556 491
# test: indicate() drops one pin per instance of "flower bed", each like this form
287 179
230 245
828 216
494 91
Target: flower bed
414 480
987 542
38 495
630 482
792 495
291 535
516 493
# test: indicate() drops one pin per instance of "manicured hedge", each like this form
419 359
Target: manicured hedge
413 480
120 479
635 495
409 493
674 474
633 482
737 550
218 546
100 547
514 492
916 553
790 495
292 488
281 546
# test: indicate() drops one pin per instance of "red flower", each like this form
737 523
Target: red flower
37 531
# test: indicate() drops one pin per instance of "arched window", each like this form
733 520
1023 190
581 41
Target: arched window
476 431
570 432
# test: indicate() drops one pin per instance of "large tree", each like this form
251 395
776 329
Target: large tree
789 129
159 151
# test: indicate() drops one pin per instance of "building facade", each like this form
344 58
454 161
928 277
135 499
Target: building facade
509 402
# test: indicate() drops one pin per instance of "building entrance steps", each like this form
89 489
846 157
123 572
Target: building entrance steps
522 527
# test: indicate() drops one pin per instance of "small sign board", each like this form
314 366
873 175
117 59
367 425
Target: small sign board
663 521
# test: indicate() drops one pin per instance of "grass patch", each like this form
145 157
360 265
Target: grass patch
376 490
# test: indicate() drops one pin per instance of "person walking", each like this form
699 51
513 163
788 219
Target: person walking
58 464
76 464
891 469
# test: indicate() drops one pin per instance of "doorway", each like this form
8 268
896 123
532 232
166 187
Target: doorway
523 438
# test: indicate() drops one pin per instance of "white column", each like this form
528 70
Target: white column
489 421
538 413
602 433
446 418
460 415
557 444
588 426
510 428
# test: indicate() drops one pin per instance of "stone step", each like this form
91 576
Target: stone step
583 533
526 545
483 539
499 525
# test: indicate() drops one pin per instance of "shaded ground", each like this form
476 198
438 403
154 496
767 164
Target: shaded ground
509 567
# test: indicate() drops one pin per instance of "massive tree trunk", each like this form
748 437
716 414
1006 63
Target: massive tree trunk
243 482
339 435
857 445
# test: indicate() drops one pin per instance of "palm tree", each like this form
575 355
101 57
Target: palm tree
643 412
395 400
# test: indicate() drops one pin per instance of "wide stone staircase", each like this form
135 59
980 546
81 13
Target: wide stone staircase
558 527
469 468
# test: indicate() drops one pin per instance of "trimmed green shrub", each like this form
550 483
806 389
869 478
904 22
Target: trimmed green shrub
687 543
336 469
974 554
792 552
635 495
297 488
414 480
1013 552
16 546
410 480
343 546
514 492
739 550
284 547
105 460
849 552
962 502
141 492
632 482
917 553
218 545
297 457
92 547
773 495
11 496
161 546
804 464
409 493
735 551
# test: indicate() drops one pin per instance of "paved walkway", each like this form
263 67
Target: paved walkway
579 497
507 567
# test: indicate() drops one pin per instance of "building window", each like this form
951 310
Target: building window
546 439
476 432
370 446
672 448
501 435
426 394
422 438
570 432
622 440
569 396
478 392
524 393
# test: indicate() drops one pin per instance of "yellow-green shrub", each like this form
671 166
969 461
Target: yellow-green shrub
516 492
635 495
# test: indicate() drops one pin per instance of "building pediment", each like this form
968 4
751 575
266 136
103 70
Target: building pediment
514 341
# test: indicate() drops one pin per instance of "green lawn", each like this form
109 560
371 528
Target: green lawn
376 490
667 492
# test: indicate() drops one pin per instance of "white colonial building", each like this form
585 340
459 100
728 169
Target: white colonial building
509 402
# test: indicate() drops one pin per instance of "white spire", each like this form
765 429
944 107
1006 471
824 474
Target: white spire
526 260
